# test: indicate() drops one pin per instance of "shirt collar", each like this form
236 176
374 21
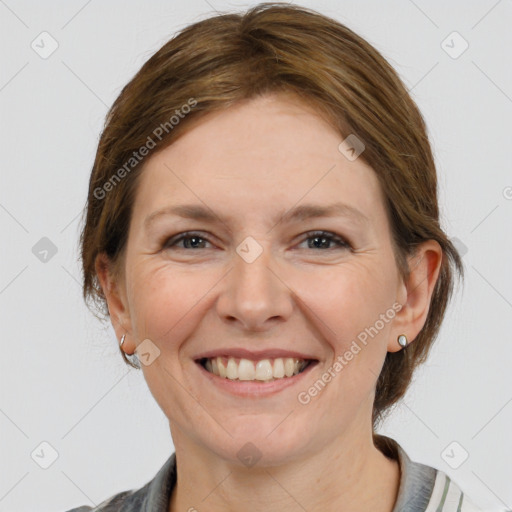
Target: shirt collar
159 490
416 479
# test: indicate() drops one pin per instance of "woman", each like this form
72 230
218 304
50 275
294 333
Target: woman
263 232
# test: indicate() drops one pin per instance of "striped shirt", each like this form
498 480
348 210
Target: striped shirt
422 488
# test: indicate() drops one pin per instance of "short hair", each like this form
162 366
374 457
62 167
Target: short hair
220 61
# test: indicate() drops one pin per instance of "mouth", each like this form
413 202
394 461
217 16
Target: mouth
263 370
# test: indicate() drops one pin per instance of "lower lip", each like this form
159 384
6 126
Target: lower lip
255 388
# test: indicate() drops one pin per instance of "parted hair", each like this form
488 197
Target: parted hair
275 47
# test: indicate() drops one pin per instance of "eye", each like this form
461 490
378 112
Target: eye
191 241
324 239
320 240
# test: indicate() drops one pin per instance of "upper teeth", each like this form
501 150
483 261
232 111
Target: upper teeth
245 369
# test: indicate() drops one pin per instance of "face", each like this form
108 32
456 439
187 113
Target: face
254 238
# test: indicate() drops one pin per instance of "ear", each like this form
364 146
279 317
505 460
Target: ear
115 293
415 293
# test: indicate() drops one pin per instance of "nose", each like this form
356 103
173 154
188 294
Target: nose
255 295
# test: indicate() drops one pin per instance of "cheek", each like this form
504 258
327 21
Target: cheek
167 301
340 301
348 299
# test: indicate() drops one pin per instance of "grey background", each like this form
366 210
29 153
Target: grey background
62 380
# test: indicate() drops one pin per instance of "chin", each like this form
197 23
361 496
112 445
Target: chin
257 442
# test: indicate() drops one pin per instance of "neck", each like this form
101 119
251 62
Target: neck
341 477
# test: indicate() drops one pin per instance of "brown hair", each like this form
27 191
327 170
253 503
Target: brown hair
273 47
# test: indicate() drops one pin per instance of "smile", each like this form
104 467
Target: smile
265 370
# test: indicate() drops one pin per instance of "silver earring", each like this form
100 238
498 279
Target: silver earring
122 340
402 340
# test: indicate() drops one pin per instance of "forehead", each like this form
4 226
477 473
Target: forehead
265 153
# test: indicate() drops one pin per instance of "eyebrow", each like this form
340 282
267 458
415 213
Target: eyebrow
299 213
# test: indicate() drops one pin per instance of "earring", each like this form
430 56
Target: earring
402 340
122 340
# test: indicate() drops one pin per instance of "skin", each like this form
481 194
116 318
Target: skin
250 164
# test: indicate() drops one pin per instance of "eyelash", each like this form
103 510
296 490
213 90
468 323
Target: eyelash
332 237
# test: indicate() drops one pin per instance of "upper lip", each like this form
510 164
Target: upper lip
255 355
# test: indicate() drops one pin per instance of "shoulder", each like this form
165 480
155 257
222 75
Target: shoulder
447 496
125 501
154 496
424 488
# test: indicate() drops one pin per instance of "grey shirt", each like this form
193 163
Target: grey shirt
422 488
